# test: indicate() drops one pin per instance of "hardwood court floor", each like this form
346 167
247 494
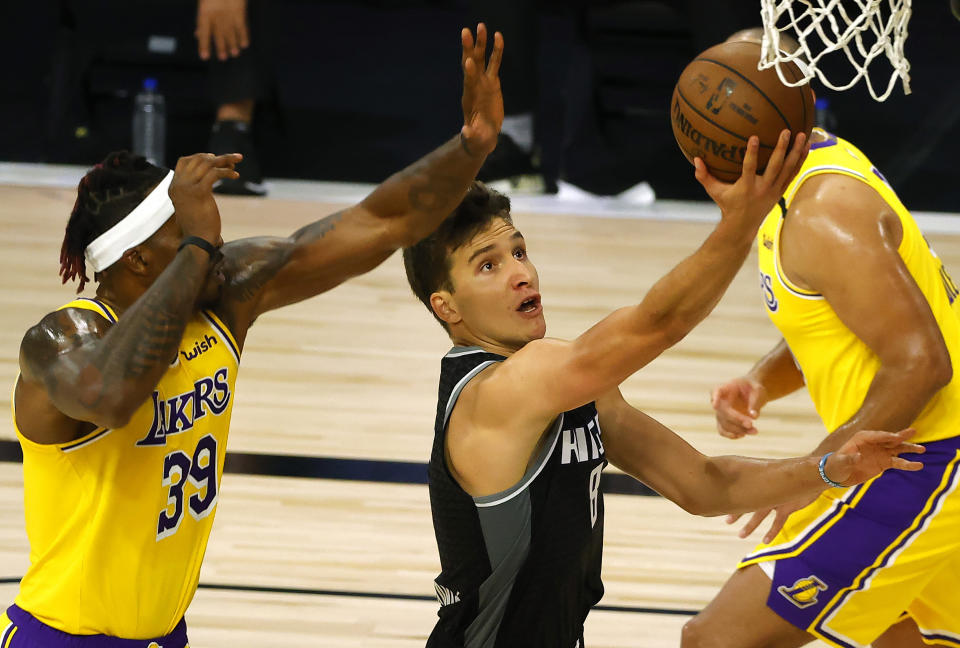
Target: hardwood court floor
352 374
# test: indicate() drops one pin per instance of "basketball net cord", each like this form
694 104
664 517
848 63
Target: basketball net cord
826 26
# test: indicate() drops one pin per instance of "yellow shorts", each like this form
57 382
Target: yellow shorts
849 565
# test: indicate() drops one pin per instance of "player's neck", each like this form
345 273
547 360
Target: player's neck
467 339
119 298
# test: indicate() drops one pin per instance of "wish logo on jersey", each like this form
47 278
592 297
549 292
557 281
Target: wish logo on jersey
804 592
174 415
199 347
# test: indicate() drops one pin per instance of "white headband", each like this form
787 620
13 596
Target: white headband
135 228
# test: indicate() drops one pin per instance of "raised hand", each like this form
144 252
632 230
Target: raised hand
191 191
224 22
482 99
746 202
737 404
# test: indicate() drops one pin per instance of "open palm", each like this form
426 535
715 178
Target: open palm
868 453
482 97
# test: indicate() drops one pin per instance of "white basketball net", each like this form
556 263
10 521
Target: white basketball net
861 29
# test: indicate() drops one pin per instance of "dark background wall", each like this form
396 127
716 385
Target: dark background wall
359 89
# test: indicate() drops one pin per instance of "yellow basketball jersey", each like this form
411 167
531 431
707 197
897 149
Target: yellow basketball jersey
837 366
118 520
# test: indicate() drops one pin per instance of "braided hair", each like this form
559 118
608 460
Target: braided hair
105 195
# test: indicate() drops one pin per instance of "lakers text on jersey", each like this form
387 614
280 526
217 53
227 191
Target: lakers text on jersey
118 520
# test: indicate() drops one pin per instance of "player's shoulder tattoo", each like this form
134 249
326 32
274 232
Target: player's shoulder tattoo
60 332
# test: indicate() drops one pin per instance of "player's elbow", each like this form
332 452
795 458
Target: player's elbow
397 231
695 506
941 370
708 504
673 324
666 327
675 330
112 418
703 505
407 234
112 411
709 491
931 366
702 502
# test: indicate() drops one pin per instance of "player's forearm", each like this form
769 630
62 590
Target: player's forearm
630 337
734 485
415 200
649 451
686 295
896 397
777 372
407 207
138 350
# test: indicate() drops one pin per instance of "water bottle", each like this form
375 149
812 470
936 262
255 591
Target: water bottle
823 116
149 123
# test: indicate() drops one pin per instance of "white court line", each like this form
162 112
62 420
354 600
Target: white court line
582 204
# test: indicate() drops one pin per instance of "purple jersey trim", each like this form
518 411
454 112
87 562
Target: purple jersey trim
830 141
32 633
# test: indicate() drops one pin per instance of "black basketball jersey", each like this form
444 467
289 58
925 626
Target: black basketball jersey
520 567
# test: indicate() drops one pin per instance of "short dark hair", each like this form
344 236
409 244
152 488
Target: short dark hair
105 195
428 262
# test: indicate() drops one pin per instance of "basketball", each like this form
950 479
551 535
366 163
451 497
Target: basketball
722 99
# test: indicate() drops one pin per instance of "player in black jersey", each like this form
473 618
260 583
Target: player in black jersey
525 424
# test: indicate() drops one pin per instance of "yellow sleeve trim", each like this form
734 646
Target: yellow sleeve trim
94 305
778 266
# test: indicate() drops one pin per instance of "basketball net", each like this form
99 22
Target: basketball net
861 29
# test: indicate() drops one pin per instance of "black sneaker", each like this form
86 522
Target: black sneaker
234 137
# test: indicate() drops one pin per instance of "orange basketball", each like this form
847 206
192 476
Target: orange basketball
722 99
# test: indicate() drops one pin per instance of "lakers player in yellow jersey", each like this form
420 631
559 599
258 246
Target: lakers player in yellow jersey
123 402
868 316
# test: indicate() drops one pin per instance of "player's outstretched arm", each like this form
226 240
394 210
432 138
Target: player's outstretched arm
91 371
652 453
737 402
550 376
876 297
272 272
